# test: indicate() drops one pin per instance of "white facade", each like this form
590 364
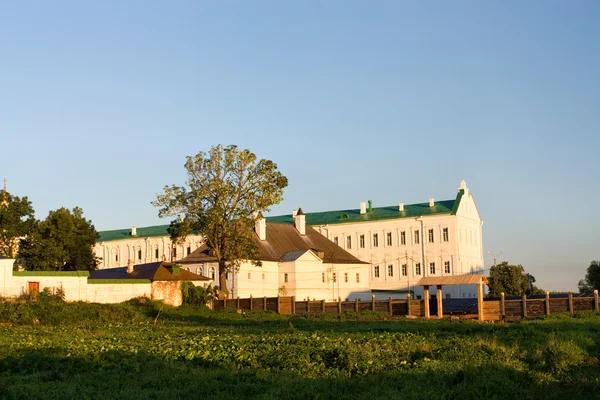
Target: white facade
142 250
403 250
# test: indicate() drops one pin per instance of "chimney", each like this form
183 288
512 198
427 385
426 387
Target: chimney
431 202
300 222
294 212
133 231
401 206
363 207
130 265
260 226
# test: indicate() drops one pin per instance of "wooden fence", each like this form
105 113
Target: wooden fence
502 309
492 309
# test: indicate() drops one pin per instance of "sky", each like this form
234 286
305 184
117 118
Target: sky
101 101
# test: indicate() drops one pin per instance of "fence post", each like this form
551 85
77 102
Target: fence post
323 305
278 309
596 304
480 301
356 305
524 305
225 302
408 304
571 303
439 302
265 303
237 304
250 302
547 303
390 307
293 305
373 303
426 300
308 304
339 305
502 307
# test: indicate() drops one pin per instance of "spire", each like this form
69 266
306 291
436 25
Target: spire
4 201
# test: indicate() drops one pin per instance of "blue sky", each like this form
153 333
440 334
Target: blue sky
100 102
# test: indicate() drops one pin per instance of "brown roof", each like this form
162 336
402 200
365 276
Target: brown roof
4 258
156 271
470 279
283 239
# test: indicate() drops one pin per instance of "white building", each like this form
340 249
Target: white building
296 261
400 243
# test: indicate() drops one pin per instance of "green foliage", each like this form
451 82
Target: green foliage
16 219
116 351
592 278
62 242
196 295
227 187
512 280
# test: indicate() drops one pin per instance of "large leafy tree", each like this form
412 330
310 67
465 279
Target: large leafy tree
512 280
62 242
592 278
16 221
226 187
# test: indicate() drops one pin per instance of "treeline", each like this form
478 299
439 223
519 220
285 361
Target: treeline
64 241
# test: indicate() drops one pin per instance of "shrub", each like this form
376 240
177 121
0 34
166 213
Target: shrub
196 295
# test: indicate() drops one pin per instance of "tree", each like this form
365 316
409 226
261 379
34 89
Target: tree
512 280
62 242
16 221
592 278
226 188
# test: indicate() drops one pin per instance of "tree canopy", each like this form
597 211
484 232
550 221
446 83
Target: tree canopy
512 280
592 278
226 188
62 242
16 221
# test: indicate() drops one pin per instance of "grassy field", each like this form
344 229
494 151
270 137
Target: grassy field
84 351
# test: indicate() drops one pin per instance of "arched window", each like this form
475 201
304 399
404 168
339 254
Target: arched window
212 274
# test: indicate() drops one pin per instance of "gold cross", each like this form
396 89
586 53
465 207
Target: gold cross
5 184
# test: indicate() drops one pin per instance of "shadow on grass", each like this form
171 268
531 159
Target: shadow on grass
129 375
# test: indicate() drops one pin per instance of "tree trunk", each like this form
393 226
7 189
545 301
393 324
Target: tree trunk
223 291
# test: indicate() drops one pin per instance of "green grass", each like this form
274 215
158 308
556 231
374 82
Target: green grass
124 351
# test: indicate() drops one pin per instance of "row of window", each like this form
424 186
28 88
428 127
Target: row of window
188 251
389 238
324 277
404 269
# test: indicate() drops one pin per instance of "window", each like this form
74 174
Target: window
403 238
346 277
323 277
117 257
417 237
419 297
357 277
430 234
285 277
376 271
418 269
404 270
189 250
199 271
448 296
174 252
389 238
349 241
139 254
391 270
263 276
249 275
432 268
212 274
445 234
335 240
362 241
334 277
156 253
447 267
375 240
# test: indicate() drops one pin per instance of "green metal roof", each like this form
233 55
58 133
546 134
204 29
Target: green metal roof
377 214
143 232
318 218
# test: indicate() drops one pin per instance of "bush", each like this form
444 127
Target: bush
196 295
